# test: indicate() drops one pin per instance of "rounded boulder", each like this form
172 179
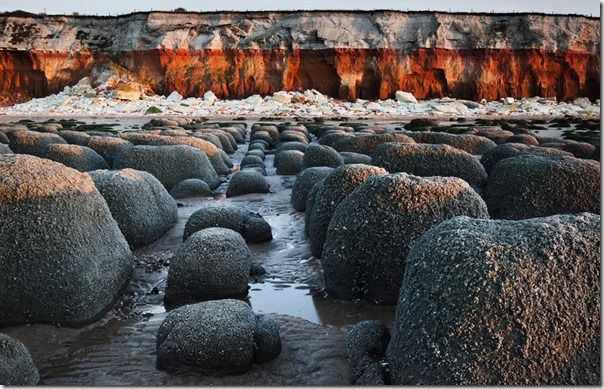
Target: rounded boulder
213 263
71 236
529 186
486 302
139 203
245 182
251 226
169 164
429 160
339 184
372 229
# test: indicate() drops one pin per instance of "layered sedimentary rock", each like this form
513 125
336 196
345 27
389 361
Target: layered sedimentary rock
342 54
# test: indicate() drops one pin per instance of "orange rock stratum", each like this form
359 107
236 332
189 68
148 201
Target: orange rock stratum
347 55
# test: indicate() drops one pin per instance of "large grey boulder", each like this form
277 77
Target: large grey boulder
498 302
213 263
305 180
81 158
211 151
317 155
169 164
75 137
350 158
289 162
508 150
367 144
372 229
33 142
191 187
139 203
473 144
429 160
108 147
56 231
216 337
298 146
339 184
245 182
251 226
529 186
16 365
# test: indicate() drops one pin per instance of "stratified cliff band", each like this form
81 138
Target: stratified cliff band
343 54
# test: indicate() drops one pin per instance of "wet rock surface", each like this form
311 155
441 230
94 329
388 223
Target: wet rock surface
371 230
16 365
41 271
213 263
508 304
529 186
142 207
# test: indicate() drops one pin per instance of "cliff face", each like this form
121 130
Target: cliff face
343 54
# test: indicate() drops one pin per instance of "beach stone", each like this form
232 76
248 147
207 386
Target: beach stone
3 138
211 151
191 187
263 135
169 164
251 160
299 146
485 302
289 162
367 259
32 142
108 147
370 373
214 337
420 123
5 149
293 136
81 158
258 153
16 365
251 226
317 155
339 184
366 344
367 144
350 158
213 263
429 160
74 137
142 207
329 138
529 186
310 204
523 139
256 168
70 236
579 149
246 182
305 180
267 342
473 144
508 150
